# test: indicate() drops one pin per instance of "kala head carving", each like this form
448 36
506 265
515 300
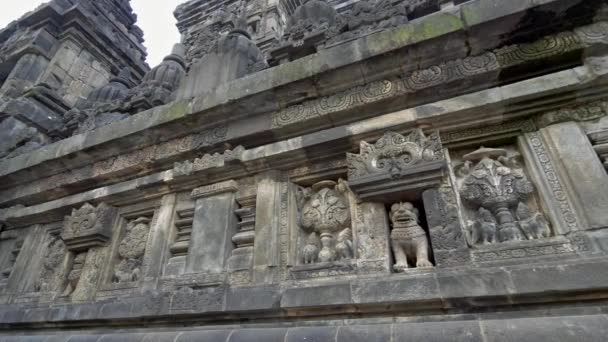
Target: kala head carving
393 154
408 239
88 227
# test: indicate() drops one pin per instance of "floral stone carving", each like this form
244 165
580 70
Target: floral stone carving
88 227
494 183
408 239
131 251
325 216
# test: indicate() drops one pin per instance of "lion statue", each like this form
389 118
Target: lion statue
408 239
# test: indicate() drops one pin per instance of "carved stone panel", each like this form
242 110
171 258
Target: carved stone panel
396 164
499 198
131 251
52 273
325 218
88 227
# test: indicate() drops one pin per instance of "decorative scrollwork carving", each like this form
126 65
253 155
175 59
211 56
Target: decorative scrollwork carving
393 153
88 226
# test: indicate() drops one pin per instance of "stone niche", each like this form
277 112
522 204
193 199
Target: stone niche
400 175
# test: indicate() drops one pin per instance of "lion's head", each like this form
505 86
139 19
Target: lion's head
404 213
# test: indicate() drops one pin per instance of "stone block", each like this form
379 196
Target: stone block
121 338
570 277
365 333
253 298
84 338
261 335
316 334
118 309
548 329
401 289
475 287
464 331
338 294
204 336
160 337
478 12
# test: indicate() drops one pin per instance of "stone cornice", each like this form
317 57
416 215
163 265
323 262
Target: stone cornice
103 171
142 129
458 119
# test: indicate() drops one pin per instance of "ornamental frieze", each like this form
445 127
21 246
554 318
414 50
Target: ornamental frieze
444 73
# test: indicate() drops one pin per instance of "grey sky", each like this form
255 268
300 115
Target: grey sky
155 17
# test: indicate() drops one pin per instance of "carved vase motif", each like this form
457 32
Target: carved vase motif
495 184
325 214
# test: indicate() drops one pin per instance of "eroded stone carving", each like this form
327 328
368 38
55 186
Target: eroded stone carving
14 254
88 226
325 211
131 251
408 240
50 280
74 275
208 161
495 184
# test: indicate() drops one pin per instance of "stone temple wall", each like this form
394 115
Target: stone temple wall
397 171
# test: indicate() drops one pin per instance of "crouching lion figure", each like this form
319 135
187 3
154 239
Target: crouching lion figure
408 239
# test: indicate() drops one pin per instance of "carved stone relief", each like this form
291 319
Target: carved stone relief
394 153
408 240
325 217
12 259
75 273
51 279
495 187
131 251
88 226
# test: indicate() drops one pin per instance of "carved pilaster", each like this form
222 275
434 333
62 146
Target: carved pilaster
215 223
240 263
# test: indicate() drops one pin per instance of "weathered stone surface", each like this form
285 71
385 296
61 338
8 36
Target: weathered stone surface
418 170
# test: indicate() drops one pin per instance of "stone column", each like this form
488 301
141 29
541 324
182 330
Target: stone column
584 174
447 237
268 212
214 225
371 230
157 248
